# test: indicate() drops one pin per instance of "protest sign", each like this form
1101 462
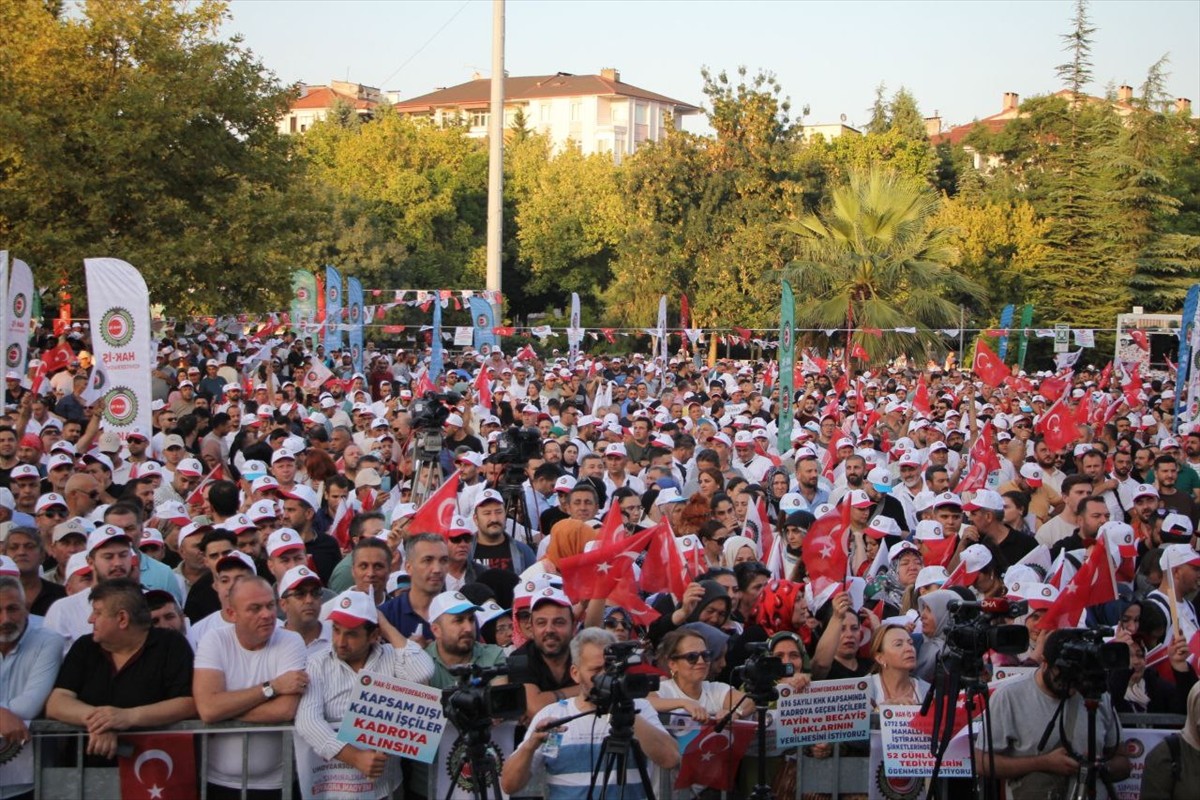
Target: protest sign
463 336
395 717
1137 745
826 711
332 780
906 751
1008 673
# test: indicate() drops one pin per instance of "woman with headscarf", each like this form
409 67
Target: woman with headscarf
1172 770
935 621
777 482
738 549
568 538
704 601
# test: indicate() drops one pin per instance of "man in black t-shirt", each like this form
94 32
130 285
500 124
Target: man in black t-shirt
494 547
125 674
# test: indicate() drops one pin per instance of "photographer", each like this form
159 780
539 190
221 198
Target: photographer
1021 710
568 759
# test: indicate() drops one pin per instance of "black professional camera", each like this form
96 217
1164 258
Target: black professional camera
1086 659
760 672
976 631
517 445
430 412
473 703
616 686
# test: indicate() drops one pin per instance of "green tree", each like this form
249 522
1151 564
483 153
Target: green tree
137 130
904 116
872 258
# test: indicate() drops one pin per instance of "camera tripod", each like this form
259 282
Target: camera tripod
483 763
952 676
616 750
425 485
762 701
1091 767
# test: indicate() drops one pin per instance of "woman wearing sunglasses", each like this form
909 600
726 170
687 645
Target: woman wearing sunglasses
687 659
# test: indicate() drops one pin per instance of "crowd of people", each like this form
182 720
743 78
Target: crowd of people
267 540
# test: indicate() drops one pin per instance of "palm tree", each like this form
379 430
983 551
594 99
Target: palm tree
872 260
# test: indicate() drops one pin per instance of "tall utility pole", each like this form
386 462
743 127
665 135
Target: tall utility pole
495 223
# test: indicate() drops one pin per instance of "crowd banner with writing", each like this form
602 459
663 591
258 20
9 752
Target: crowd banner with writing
787 361
332 780
906 749
1006 318
354 303
1189 322
333 309
304 302
574 330
20 313
393 716
1137 745
1023 345
484 322
826 711
4 311
435 352
119 308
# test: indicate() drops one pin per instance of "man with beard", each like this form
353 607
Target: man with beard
553 623
31 657
494 547
110 555
1119 489
456 643
362 641
808 477
1047 460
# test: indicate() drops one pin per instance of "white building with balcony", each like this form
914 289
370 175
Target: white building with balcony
599 113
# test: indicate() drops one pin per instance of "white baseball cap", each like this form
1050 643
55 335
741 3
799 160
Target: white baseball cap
304 494
283 539
103 535
931 576
985 499
450 603
350 609
296 576
929 530
1177 555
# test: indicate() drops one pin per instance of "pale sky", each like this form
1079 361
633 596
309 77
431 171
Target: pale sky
958 58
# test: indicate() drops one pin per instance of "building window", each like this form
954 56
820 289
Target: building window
544 110
480 119
292 123
639 114
576 110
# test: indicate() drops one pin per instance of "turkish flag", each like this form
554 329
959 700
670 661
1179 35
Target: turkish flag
974 480
1053 388
339 529
663 567
825 551
595 573
58 357
1132 389
988 366
437 511
483 388
504 330
743 334
1139 338
1058 427
424 385
711 759
923 723
1093 584
1105 375
625 595
196 498
938 552
859 352
161 766
920 401
983 450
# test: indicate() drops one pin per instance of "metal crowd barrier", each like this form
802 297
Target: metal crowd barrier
78 782
839 774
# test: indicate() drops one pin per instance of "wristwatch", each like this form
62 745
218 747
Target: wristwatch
268 690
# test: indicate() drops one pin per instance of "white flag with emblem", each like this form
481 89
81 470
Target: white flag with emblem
119 307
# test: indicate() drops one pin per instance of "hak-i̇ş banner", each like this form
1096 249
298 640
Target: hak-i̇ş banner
354 300
787 361
1187 326
119 307
435 350
19 305
333 310
1006 318
484 323
4 312
304 302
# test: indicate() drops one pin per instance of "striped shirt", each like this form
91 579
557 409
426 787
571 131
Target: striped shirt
568 774
332 684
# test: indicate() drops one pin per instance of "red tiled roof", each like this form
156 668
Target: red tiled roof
478 92
324 97
956 134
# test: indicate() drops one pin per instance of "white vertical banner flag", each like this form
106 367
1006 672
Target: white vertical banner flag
4 312
574 331
662 333
19 306
119 309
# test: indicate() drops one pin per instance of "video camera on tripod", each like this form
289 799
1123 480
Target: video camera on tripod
1085 661
616 687
427 415
760 672
471 705
978 627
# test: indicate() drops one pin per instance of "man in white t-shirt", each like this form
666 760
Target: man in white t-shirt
252 671
567 766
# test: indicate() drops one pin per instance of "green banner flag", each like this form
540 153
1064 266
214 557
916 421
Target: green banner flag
1026 321
787 361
